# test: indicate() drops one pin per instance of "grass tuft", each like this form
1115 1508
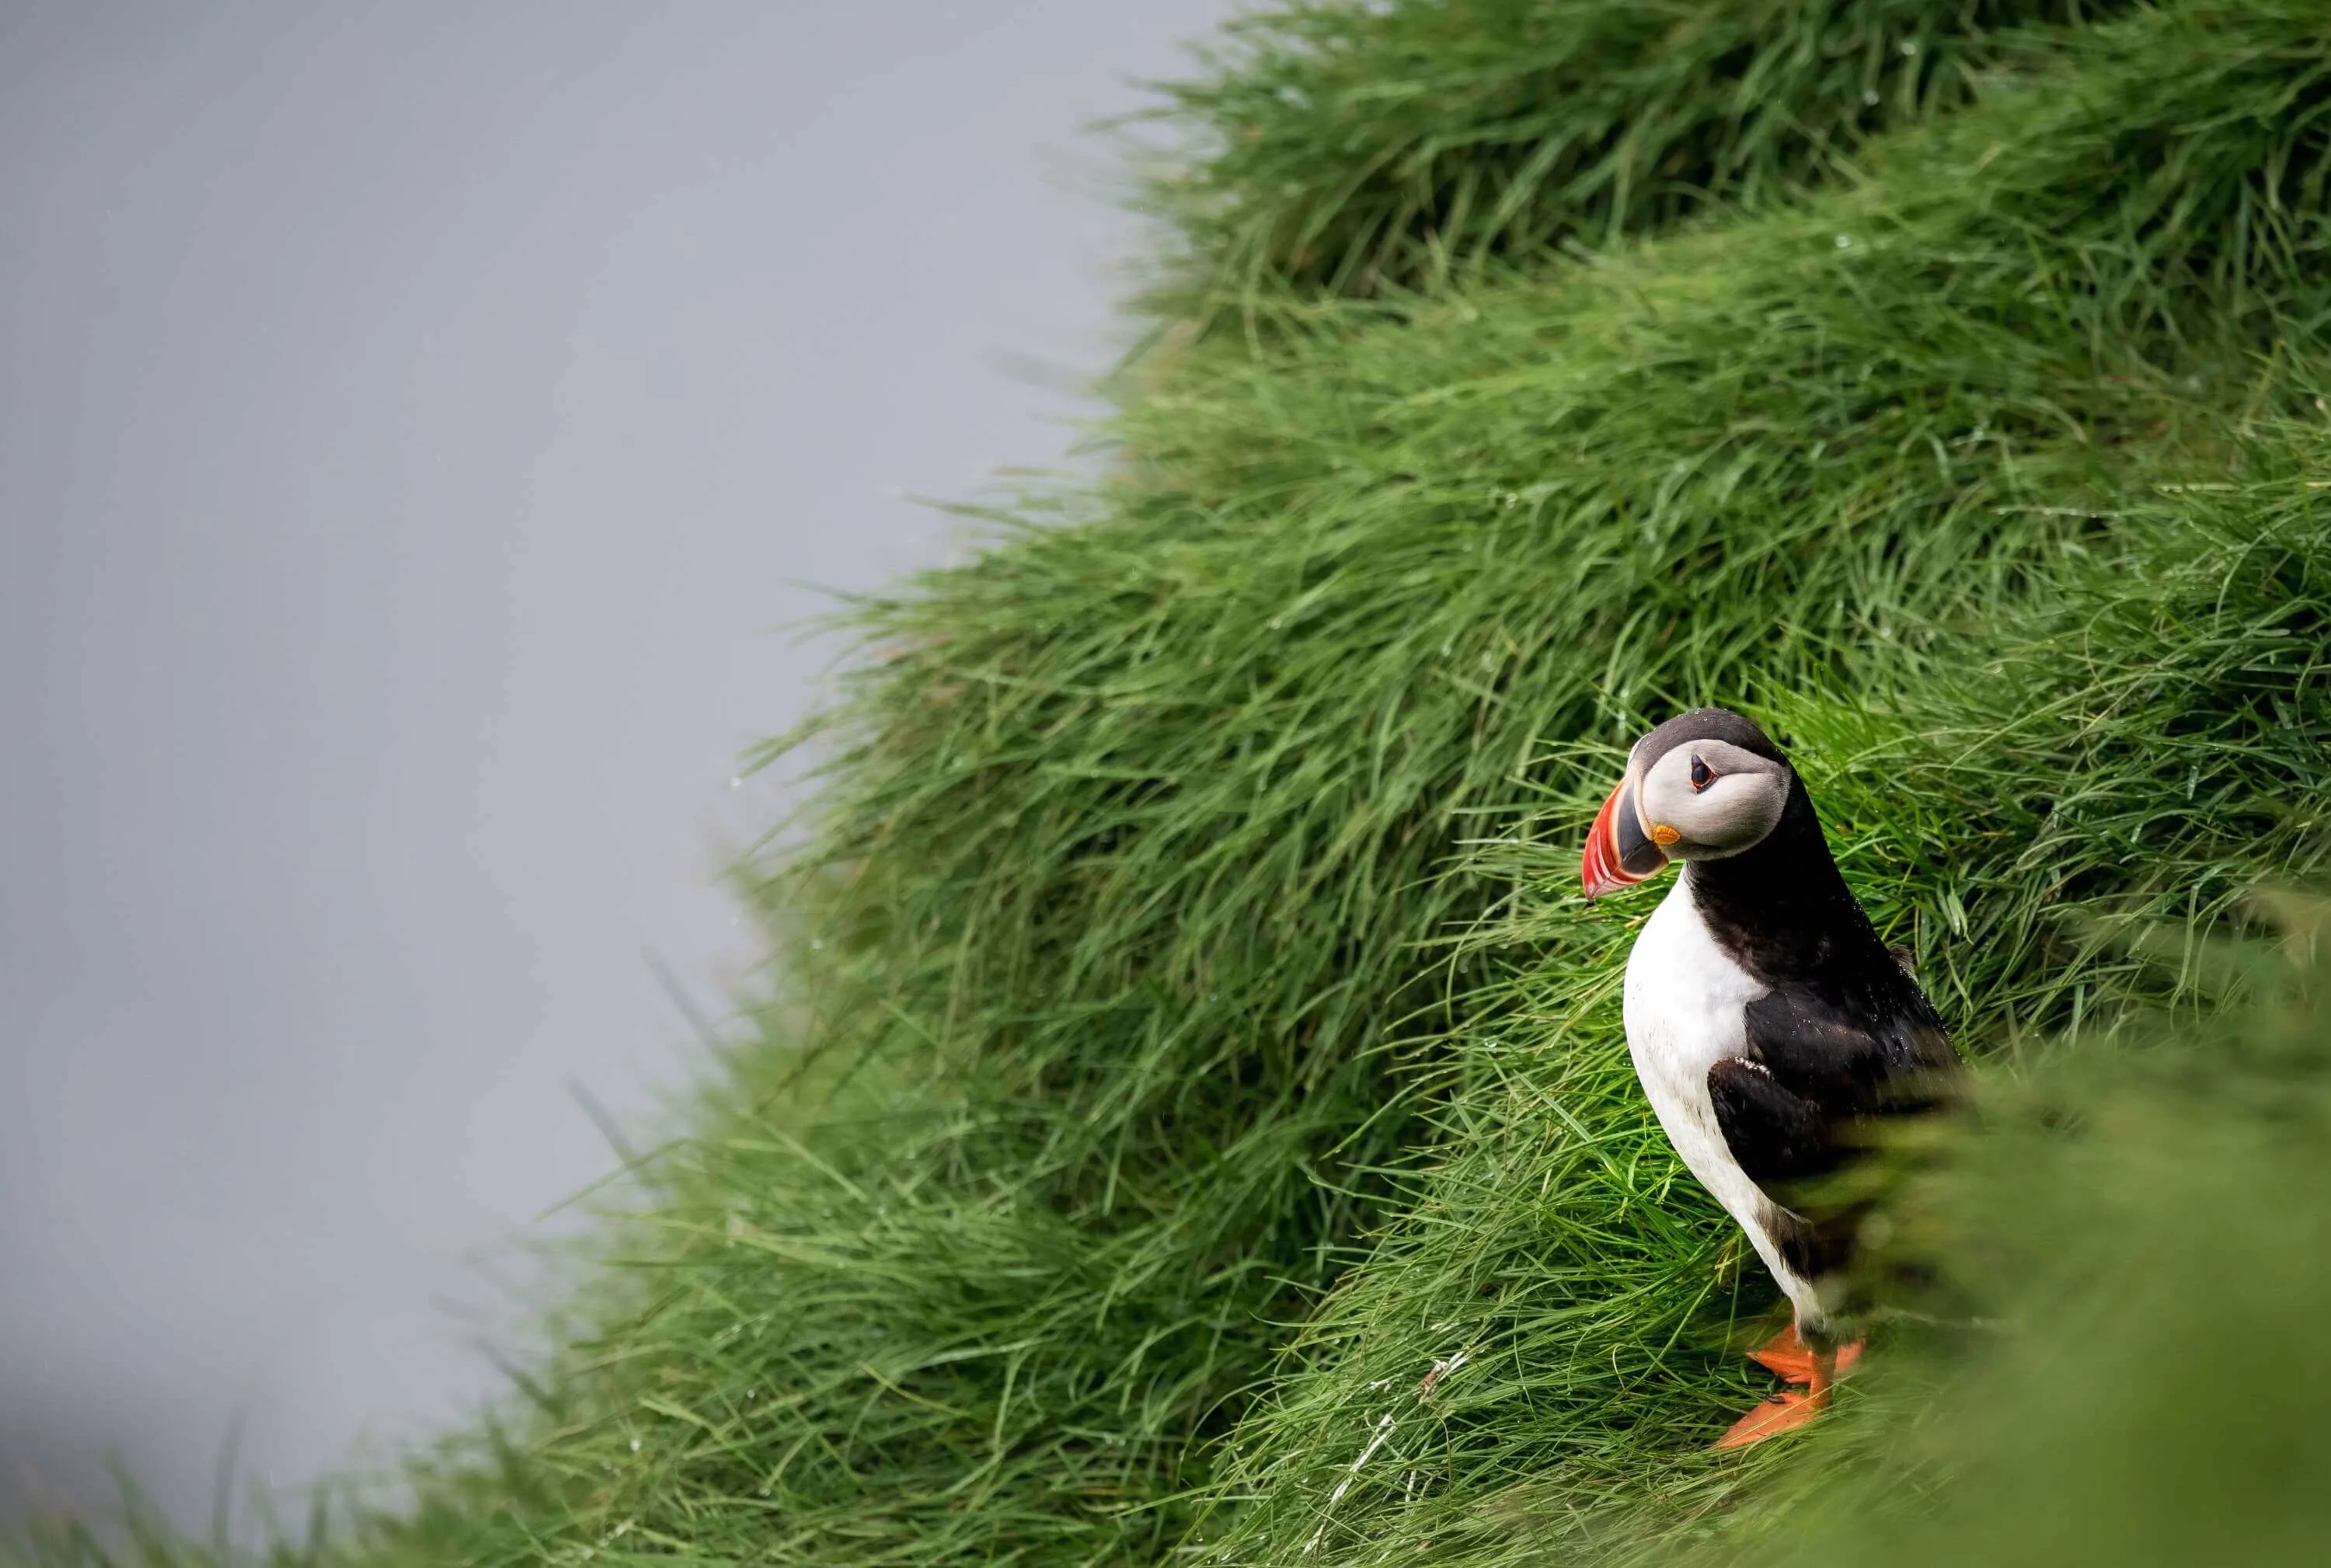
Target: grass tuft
1359 150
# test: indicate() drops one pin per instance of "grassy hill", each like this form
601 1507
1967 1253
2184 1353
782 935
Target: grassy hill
1189 1120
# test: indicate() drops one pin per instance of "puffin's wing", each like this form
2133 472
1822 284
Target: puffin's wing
1887 1056
1780 1138
1788 1106
1776 1134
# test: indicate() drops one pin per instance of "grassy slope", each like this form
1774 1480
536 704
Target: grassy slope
1585 1301
1574 1297
1148 976
1367 149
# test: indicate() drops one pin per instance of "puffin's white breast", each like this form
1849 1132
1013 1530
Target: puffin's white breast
1684 1003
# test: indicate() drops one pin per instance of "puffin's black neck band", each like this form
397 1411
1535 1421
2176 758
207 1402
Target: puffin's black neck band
1781 908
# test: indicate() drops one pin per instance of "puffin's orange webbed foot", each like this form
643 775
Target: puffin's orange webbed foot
1785 1355
1782 1413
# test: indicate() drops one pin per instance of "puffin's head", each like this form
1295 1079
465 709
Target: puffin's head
1703 786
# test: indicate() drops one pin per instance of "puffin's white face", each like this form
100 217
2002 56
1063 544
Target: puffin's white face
1688 795
1705 799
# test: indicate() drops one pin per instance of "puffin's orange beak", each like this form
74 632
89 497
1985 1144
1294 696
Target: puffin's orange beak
1619 853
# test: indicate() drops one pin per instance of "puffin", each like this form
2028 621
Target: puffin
1775 1033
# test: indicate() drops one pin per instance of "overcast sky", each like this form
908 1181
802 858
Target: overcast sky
413 419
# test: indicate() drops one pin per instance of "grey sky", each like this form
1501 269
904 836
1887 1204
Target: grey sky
409 416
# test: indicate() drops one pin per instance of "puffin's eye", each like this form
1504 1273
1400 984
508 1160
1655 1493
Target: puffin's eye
1702 776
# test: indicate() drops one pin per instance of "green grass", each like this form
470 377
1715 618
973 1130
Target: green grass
1358 150
1182 1034
1586 1300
